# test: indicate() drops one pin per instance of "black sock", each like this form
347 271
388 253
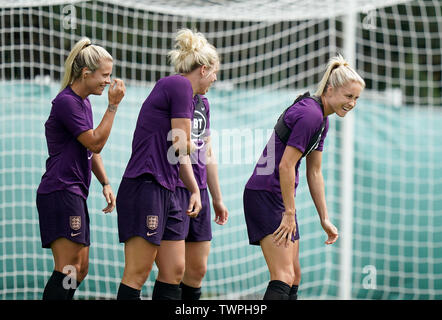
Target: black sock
189 293
54 287
71 292
293 295
277 290
166 291
128 293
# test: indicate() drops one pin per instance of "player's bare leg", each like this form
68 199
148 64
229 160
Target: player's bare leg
170 263
279 260
139 257
297 270
197 254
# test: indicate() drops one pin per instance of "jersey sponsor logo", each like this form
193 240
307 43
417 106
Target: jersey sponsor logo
151 233
199 126
75 234
90 154
152 222
75 222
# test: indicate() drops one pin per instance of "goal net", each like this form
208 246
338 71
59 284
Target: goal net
271 51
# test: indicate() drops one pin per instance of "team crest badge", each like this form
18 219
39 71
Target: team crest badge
152 222
75 222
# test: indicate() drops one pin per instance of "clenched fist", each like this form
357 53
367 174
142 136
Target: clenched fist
116 92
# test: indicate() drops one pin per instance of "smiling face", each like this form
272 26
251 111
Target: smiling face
96 81
342 99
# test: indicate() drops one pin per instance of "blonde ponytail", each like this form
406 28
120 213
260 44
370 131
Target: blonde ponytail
337 74
83 54
192 50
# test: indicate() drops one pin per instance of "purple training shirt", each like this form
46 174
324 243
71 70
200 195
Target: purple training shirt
200 128
304 118
171 97
70 163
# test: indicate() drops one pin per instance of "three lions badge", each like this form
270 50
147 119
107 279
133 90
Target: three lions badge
152 222
75 222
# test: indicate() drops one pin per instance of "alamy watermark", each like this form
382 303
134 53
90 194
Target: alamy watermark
70 17
231 147
369 281
369 21
70 281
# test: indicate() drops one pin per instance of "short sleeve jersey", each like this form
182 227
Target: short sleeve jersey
171 97
304 118
69 164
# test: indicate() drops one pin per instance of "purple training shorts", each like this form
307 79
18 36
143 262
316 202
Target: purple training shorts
63 214
263 213
194 229
147 209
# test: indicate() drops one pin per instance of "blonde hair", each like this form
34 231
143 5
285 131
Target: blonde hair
337 74
83 54
192 50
